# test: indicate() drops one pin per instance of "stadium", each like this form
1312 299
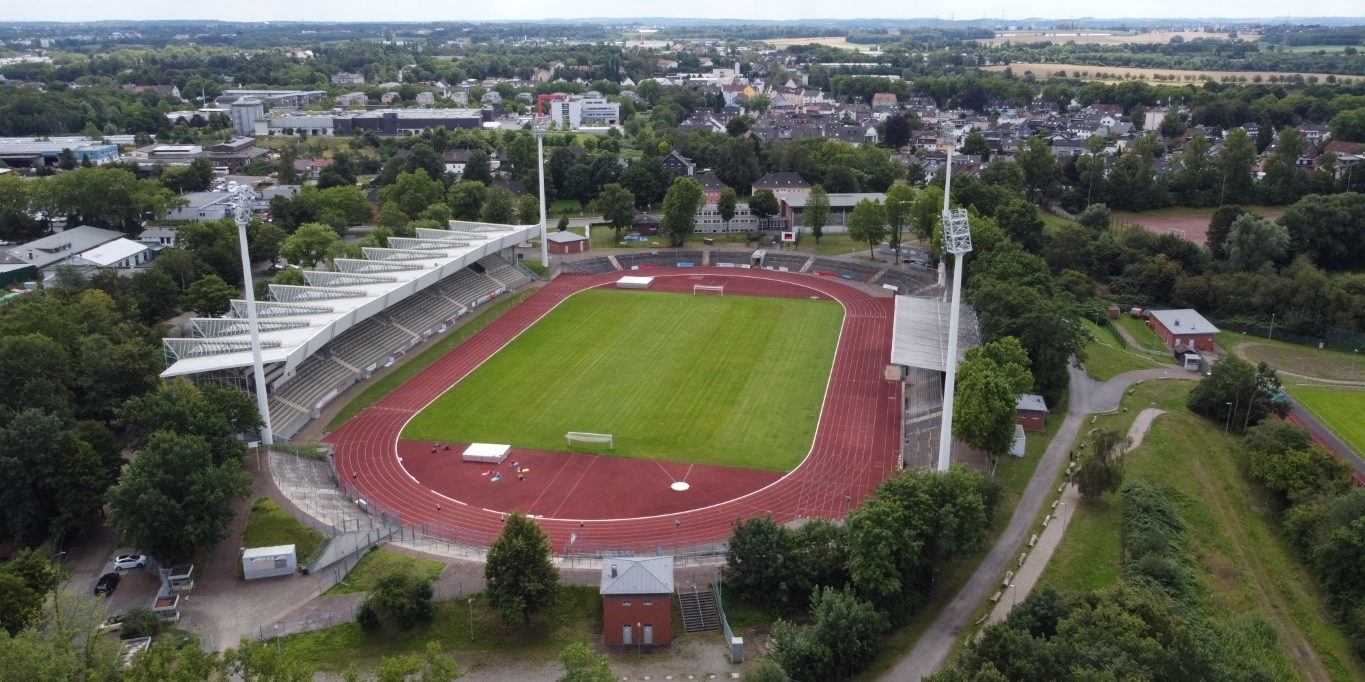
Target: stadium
635 403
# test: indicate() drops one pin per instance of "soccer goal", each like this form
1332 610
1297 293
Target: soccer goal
708 289
590 438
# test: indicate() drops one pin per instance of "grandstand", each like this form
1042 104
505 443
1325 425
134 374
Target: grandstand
344 324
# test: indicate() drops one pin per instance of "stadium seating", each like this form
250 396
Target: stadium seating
504 273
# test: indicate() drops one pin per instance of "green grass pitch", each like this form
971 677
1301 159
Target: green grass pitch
1339 409
733 381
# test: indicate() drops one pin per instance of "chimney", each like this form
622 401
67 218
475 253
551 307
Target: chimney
613 570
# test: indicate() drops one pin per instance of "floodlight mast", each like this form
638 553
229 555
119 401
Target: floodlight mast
957 240
242 198
540 126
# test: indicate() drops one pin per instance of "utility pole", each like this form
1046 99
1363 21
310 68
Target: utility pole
957 240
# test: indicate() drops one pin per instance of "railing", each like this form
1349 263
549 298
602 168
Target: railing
736 644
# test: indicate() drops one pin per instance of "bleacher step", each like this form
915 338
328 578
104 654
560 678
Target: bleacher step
698 611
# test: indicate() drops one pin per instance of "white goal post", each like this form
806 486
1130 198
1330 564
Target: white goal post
590 438
708 289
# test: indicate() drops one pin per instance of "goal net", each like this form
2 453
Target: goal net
708 289
590 438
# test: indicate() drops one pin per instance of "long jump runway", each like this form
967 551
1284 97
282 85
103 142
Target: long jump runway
624 503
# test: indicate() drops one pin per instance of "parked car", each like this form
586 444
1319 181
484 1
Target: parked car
107 584
130 561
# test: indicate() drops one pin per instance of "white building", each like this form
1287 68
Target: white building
309 123
344 78
121 255
575 112
204 206
245 113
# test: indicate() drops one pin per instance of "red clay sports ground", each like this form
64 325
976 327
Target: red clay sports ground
623 503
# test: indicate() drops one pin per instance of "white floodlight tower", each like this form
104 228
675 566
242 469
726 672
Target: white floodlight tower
242 214
540 126
957 240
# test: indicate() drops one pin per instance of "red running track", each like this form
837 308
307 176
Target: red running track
855 447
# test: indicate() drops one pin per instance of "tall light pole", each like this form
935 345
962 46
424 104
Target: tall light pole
957 240
242 214
540 127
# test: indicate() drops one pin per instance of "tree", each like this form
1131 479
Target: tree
1021 222
845 636
25 581
110 372
1102 471
400 598
264 241
681 204
1253 244
1330 229
580 665
578 185
816 215
520 579
423 157
413 192
210 296
976 144
260 661
310 244
1349 125
867 223
478 168
738 165
528 209
465 200
392 217
66 160
618 207
763 204
1238 394
499 206
174 499
156 295
767 670
925 213
991 379
738 125
1095 217
1041 170
1235 161
1172 126
896 131
758 562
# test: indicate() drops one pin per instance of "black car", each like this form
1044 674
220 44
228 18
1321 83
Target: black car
107 584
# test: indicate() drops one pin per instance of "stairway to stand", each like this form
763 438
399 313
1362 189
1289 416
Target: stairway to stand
698 610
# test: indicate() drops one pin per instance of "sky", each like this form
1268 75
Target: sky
503 10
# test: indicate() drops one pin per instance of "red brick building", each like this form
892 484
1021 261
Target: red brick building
1031 412
637 600
566 242
1184 327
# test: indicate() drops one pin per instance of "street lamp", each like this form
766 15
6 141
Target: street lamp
957 240
471 619
1353 362
1229 420
676 523
1014 595
438 520
1271 335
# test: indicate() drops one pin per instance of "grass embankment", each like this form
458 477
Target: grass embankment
1324 363
670 376
577 614
1014 474
380 562
1145 337
1184 212
1339 409
1246 568
482 317
1105 360
267 525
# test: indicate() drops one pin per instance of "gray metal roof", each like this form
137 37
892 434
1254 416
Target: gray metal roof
1029 401
644 575
1184 321
565 237
58 247
919 336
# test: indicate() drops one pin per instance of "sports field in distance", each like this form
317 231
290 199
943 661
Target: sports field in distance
731 381
1339 409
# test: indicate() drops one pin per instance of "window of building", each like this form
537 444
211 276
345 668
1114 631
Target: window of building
648 603
625 603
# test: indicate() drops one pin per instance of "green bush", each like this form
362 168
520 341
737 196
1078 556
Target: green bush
140 622
399 599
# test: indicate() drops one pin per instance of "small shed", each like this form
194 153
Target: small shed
1183 327
566 242
268 562
645 225
637 600
1031 412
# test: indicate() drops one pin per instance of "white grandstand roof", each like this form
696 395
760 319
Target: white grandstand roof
299 320
919 335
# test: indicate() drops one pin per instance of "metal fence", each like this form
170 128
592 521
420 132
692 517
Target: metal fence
736 648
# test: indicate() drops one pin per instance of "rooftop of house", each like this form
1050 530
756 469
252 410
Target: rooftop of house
1184 321
781 180
108 253
565 237
637 575
1031 402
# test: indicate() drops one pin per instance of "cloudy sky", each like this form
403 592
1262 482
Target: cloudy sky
483 10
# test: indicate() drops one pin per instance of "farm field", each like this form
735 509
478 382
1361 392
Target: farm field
1103 37
731 381
1121 73
835 41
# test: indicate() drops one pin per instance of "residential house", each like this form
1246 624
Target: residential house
679 164
1183 328
637 600
711 185
1031 412
206 206
884 101
425 99
350 99
46 253
782 184
344 78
